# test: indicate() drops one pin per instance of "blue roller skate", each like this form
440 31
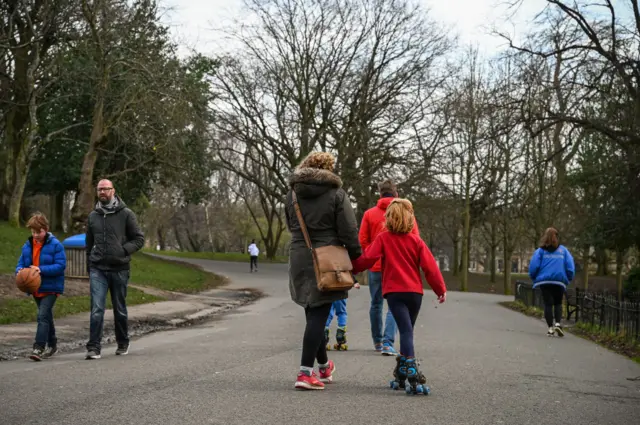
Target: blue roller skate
399 373
416 379
341 339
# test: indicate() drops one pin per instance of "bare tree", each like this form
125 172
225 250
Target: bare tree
344 76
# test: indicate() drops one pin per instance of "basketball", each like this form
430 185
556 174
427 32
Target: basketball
28 280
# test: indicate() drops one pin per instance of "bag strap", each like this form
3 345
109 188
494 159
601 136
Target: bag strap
303 226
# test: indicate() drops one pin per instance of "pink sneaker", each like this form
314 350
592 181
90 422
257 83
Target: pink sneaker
306 382
326 375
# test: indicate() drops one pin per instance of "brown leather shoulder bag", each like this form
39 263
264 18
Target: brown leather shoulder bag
331 263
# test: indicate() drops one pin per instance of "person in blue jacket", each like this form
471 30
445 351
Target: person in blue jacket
45 253
552 269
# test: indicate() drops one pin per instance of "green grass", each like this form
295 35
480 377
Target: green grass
602 337
171 275
220 256
11 242
607 339
25 310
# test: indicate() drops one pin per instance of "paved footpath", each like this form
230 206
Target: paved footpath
484 363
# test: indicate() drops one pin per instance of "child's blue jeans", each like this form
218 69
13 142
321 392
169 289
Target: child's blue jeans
339 309
45 331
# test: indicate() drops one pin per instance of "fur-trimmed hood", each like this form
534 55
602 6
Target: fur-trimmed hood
313 182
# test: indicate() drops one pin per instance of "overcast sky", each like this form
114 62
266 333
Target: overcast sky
192 20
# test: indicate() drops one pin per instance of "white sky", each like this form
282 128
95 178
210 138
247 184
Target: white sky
192 20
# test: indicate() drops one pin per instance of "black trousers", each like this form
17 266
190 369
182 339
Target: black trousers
405 307
254 262
314 345
552 297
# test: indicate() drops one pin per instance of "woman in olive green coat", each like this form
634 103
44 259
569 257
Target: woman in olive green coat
330 220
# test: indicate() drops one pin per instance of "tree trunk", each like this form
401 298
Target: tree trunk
585 270
271 251
176 232
619 264
27 134
162 240
602 261
57 212
206 218
20 169
464 278
86 191
456 257
494 243
506 259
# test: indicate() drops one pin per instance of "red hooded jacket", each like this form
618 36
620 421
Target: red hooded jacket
402 256
373 223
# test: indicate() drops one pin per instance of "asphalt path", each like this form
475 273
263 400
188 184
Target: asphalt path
484 363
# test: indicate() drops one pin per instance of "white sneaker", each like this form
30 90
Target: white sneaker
558 329
551 332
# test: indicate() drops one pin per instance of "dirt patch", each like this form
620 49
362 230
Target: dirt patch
72 287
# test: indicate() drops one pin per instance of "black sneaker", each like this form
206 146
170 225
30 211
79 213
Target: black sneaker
50 351
122 350
37 354
92 355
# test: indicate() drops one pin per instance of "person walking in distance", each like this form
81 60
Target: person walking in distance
373 222
254 251
112 236
552 269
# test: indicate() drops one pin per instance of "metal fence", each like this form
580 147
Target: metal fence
597 309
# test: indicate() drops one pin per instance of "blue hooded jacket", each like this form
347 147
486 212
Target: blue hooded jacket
53 262
553 267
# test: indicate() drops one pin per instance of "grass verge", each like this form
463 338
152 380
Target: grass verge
220 256
24 309
171 275
602 337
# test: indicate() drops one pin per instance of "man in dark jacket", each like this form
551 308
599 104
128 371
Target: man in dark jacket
113 235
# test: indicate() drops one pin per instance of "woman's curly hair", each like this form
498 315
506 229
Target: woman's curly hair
399 216
319 160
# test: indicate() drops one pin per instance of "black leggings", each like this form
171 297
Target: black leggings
405 307
314 346
552 296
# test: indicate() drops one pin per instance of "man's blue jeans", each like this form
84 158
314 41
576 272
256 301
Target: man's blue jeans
46 331
116 283
375 313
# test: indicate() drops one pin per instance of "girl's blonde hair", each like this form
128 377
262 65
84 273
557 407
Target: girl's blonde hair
399 216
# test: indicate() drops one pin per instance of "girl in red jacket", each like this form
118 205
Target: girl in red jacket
403 254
